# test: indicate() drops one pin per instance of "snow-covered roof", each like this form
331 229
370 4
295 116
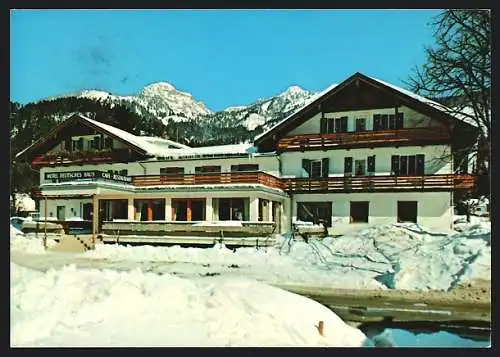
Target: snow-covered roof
205 151
152 146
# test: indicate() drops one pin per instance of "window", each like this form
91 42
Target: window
387 121
74 145
407 211
408 165
360 124
359 167
166 171
359 211
316 168
150 210
316 212
371 164
333 125
206 169
245 167
232 209
348 166
188 209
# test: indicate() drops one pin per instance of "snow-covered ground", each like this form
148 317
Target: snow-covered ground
396 256
105 308
218 296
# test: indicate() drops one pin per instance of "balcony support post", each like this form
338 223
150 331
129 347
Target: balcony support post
131 211
209 209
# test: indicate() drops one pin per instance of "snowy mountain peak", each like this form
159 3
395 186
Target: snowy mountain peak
161 88
294 90
94 94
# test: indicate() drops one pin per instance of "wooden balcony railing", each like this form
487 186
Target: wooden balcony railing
209 179
81 157
413 136
378 183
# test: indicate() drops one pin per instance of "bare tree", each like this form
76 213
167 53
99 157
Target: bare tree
458 72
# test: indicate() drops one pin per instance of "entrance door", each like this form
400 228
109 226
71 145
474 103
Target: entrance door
61 213
407 211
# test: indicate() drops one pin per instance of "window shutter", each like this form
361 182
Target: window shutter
323 126
395 165
376 121
420 168
108 143
371 163
306 165
95 142
400 121
348 165
325 167
67 144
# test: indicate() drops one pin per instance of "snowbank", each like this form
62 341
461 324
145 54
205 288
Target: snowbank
15 232
397 256
75 307
31 245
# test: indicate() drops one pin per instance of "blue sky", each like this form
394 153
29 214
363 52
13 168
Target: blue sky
222 57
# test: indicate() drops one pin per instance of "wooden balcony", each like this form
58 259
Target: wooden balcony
70 158
209 179
399 137
379 183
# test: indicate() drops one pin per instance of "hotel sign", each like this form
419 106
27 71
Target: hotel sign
86 175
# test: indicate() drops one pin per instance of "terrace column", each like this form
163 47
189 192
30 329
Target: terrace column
209 209
254 209
168 209
95 217
270 210
131 210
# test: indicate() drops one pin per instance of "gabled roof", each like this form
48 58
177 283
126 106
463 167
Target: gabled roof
412 99
143 145
148 146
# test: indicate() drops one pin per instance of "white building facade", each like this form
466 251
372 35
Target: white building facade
364 152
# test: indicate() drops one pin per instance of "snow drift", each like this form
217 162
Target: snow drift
79 307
